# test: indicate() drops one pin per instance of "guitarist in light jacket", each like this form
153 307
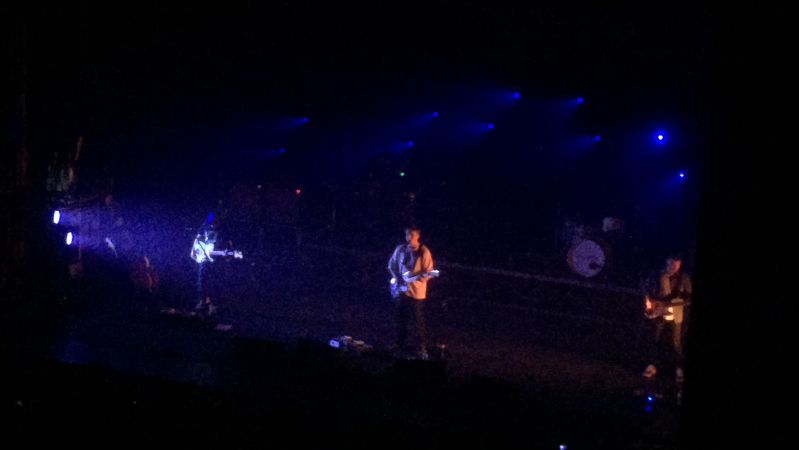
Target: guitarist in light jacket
416 259
665 298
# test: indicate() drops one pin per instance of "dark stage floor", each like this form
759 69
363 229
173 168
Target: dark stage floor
542 371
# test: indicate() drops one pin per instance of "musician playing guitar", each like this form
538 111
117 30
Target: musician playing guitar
202 252
411 267
665 301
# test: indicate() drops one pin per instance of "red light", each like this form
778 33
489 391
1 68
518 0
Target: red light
298 191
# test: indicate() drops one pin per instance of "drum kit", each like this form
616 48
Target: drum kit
589 253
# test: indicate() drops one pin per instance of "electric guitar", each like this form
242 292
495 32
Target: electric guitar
200 255
657 308
396 287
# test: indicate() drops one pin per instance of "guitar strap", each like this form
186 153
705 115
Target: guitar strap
405 252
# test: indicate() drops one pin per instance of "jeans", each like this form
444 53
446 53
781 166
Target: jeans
201 294
667 351
407 306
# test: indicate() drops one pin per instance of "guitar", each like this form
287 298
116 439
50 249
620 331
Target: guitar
200 254
396 288
657 308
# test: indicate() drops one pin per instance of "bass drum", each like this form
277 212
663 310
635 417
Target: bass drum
588 257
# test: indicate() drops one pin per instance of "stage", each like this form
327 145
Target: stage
526 372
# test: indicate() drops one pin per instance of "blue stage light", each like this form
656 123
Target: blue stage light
282 150
682 174
596 138
659 137
435 114
649 398
305 119
490 126
56 217
410 143
516 95
69 238
579 99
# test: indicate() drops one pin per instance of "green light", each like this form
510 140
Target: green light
402 174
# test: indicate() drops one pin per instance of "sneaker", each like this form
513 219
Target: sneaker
650 371
680 377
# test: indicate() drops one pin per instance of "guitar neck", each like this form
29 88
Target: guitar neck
431 273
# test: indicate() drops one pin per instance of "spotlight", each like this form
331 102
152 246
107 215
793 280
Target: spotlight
579 99
682 174
282 150
515 95
305 119
69 238
649 398
490 126
659 137
596 138
298 191
56 217
410 143
402 174
435 114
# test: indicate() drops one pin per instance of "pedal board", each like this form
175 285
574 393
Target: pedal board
348 344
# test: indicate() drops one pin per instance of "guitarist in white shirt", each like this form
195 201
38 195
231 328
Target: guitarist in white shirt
411 266
201 253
